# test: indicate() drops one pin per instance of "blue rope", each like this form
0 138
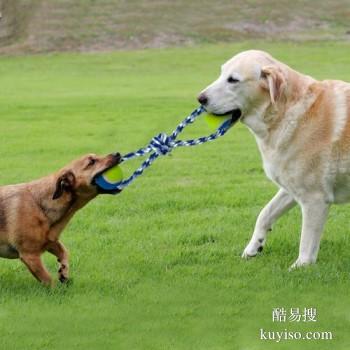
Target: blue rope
162 144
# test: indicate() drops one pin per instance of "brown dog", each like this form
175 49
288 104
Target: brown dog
32 215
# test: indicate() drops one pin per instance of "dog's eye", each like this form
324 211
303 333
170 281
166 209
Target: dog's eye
232 80
92 161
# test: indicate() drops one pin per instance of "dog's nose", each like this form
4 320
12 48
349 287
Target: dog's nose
116 156
202 99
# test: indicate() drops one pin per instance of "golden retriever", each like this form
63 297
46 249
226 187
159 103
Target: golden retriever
302 129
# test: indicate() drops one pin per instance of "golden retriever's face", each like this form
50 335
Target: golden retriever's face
78 177
241 87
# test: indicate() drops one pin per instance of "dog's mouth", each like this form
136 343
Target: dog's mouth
102 191
116 160
234 113
93 181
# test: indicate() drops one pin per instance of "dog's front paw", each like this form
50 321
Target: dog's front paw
253 248
63 273
301 262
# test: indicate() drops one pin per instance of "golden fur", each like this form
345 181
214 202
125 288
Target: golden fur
302 128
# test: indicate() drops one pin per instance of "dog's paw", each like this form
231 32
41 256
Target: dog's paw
301 263
62 279
253 248
63 273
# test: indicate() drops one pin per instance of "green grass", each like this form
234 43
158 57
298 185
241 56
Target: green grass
158 266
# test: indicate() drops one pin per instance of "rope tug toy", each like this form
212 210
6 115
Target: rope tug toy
111 181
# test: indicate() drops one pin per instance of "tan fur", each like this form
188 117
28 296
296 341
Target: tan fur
33 215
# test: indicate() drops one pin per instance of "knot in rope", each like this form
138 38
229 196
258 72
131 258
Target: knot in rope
162 144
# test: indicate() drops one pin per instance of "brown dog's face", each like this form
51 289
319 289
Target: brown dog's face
78 177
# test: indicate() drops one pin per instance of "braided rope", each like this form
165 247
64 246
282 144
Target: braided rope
162 144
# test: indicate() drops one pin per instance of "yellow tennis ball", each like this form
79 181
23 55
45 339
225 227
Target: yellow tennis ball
114 175
215 121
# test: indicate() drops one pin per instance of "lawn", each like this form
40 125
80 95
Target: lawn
158 266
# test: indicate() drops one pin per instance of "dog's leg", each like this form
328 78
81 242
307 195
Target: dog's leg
58 249
314 217
278 205
36 267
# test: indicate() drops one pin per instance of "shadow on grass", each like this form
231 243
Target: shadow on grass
25 288
201 253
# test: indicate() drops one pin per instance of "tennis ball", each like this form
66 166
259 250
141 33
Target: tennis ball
114 175
215 121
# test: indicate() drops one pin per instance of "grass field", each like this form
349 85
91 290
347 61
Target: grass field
158 266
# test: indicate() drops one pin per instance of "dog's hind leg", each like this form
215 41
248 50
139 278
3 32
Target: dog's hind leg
58 249
36 267
315 214
279 204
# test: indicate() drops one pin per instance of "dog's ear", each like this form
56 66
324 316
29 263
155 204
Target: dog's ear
65 183
275 81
